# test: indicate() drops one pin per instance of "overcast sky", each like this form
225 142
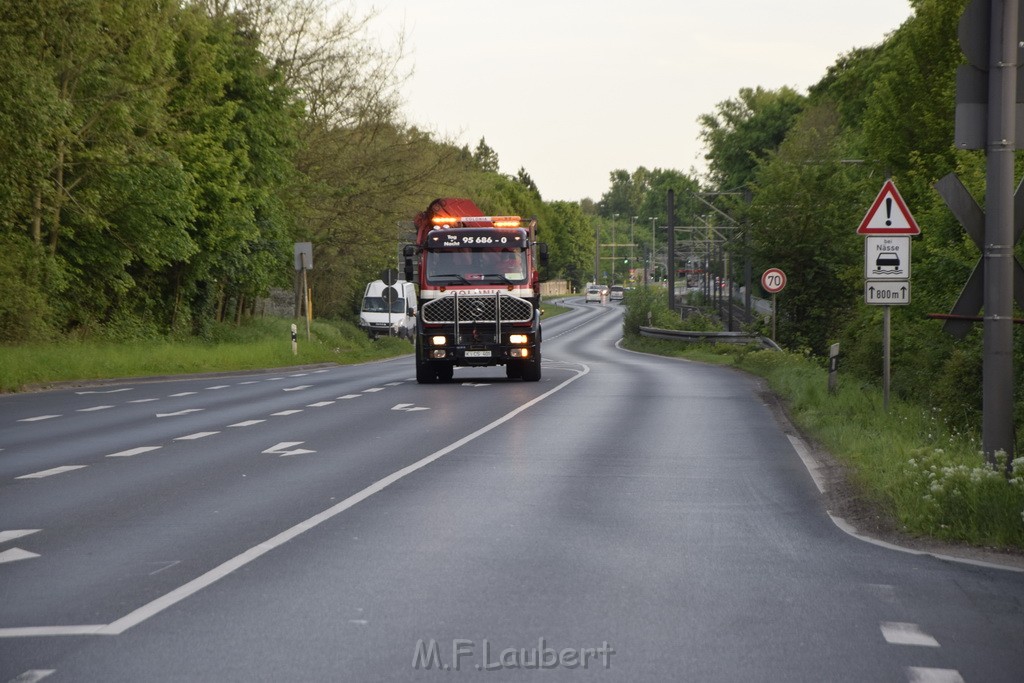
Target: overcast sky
571 90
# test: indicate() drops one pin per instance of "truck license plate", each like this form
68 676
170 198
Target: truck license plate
478 354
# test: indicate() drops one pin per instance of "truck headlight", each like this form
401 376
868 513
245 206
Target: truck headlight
438 340
518 339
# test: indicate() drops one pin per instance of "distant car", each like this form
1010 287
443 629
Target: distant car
594 294
616 293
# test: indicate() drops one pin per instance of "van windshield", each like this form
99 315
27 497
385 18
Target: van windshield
376 304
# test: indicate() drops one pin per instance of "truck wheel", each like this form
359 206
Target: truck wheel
445 372
425 373
531 369
513 369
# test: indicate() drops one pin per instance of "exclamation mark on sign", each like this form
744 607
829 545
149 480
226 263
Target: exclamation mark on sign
888 211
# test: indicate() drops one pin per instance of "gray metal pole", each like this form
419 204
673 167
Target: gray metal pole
997 433
670 257
886 354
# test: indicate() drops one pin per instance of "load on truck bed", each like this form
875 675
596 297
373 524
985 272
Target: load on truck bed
479 291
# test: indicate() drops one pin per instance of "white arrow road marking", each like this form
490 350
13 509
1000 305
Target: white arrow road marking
370 391
37 419
342 398
108 391
33 675
299 388
134 451
15 554
408 407
12 534
285 412
180 412
93 409
197 435
247 423
285 448
320 404
51 472
184 393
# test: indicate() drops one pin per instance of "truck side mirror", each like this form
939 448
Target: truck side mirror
409 252
543 247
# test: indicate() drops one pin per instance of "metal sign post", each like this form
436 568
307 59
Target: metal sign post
773 281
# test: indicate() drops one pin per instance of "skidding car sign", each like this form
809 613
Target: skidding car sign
888 215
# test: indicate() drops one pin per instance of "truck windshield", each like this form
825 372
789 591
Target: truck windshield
376 304
507 266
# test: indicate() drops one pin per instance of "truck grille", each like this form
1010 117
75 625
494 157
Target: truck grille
478 309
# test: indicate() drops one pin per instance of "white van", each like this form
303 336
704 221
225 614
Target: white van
378 319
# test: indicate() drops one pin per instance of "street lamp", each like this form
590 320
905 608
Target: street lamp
615 218
652 219
632 244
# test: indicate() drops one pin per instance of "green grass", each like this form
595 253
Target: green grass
256 344
904 461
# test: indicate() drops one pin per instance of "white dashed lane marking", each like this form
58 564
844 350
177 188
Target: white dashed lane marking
347 396
247 423
285 412
50 472
370 391
93 409
12 534
38 418
144 400
299 388
180 412
15 554
197 435
923 674
902 633
184 393
320 404
134 451
33 675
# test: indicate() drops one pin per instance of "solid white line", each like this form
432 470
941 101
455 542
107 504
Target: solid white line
197 435
51 472
134 451
94 408
902 633
33 631
33 675
923 674
156 606
247 423
812 467
37 419
15 533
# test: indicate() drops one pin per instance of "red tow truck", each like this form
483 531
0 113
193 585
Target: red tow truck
479 291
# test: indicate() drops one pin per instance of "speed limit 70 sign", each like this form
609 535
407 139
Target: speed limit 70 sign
773 280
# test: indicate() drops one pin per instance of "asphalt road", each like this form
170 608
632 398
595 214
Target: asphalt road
626 518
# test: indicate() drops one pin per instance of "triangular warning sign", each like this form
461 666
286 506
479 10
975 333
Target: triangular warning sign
889 215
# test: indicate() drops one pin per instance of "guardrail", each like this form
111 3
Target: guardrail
710 337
